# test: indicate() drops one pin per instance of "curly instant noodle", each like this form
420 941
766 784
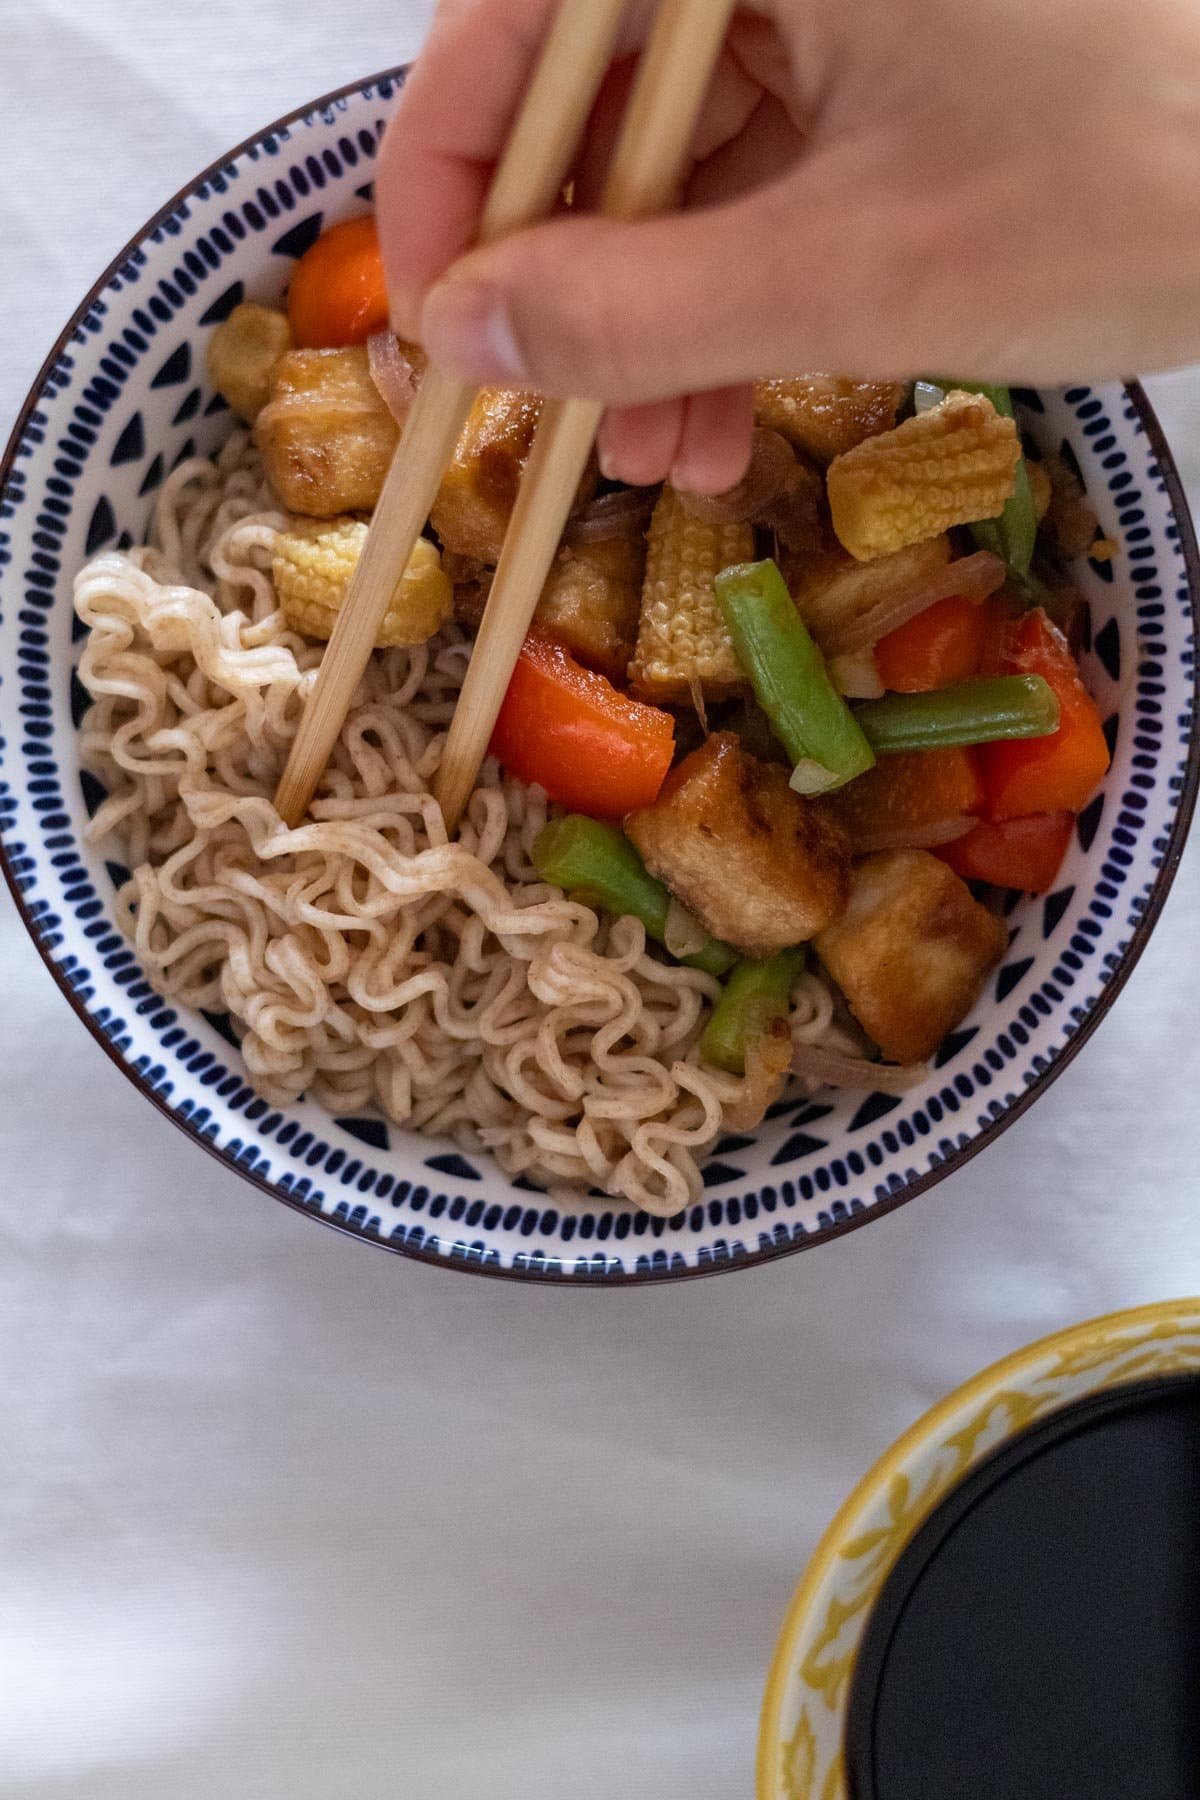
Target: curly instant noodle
364 958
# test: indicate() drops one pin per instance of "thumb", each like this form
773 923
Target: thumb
626 313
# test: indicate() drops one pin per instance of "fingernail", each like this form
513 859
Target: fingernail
604 458
467 328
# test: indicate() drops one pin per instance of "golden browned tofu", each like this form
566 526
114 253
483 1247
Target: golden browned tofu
832 591
826 415
242 354
325 434
593 598
911 952
758 865
590 603
479 489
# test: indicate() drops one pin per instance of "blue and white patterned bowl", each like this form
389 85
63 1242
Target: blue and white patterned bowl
122 399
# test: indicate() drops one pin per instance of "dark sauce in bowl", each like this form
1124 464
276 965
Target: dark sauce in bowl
1039 1639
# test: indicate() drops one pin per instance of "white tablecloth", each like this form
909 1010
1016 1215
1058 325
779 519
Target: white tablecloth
283 1518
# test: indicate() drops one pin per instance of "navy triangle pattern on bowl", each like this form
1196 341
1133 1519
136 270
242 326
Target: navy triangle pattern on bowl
121 401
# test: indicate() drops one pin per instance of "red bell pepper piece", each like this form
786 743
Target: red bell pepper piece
338 294
593 749
1058 773
903 799
1013 853
937 647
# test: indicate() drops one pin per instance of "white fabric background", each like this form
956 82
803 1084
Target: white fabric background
284 1518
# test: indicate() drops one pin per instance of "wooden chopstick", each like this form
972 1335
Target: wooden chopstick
527 183
647 167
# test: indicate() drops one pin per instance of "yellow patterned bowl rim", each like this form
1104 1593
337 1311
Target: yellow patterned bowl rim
803 1716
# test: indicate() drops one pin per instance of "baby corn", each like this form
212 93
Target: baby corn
949 466
313 564
683 647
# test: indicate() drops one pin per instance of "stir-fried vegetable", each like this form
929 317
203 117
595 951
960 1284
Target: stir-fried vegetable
939 646
754 997
592 748
790 680
599 864
972 712
683 647
314 563
939 469
1059 772
913 799
338 294
1014 534
1013 853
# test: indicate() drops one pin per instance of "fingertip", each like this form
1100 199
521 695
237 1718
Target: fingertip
714 443
639 444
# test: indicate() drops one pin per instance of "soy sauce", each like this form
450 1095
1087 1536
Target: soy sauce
1040 1637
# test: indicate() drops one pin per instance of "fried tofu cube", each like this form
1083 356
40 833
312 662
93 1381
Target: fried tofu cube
592 600
242 355
911 951
479 489
326 437
826 415
832 591
759 866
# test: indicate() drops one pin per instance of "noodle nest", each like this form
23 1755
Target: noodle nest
364 959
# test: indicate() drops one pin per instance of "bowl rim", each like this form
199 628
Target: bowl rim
1005 1373
1155 900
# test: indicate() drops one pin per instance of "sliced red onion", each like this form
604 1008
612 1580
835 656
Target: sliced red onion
974 577
834 1069
617 514
392 373
771 461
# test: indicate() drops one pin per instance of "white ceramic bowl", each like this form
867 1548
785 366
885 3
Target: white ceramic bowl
122 398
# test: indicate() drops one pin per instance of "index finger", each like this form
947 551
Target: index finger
454 120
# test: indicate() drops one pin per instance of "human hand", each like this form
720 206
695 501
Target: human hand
895 186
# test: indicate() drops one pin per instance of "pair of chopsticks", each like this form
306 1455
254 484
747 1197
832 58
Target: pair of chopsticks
644 178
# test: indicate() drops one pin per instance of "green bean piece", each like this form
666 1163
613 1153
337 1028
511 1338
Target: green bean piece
790 681
755 995
1013 535
600 865
971 712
